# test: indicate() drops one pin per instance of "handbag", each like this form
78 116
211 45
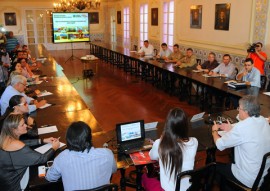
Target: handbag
153 170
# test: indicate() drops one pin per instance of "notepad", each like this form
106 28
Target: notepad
266 93
45 130
44 148
45 93
46 105
150 126
197 117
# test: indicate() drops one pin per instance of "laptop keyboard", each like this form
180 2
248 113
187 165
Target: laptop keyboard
133 145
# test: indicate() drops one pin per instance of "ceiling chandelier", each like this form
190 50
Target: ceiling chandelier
76 5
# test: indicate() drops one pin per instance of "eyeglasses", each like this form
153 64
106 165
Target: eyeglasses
23 104
23 84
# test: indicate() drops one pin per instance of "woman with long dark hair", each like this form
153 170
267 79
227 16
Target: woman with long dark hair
175 151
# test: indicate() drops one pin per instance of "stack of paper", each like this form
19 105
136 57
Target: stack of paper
44 148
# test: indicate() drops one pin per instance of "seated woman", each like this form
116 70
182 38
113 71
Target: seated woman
26 71
175 151
15 156
16 69
18 105
82 166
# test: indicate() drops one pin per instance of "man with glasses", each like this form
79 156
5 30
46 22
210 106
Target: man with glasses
250 74
17 87
250 138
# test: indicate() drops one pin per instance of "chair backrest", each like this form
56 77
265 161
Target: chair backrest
106 187
259 176
201 179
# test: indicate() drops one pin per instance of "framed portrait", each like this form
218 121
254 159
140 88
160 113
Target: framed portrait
118 17
222 16
93 18
10 19
196 16
154 16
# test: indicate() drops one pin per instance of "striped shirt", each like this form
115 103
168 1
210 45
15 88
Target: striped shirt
11 44
83 170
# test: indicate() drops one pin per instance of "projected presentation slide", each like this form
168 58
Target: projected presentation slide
70 27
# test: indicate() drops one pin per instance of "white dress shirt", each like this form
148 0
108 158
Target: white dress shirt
227 70
251 140
9 93
189 152
254 77
149 51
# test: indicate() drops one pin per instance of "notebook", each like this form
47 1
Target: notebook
197 117
130 136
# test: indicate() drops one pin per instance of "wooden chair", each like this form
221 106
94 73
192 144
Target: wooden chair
255 187
200 179
106 187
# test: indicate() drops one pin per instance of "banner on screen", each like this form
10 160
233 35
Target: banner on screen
70 27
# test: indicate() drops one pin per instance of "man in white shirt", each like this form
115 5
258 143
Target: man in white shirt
147 49
250 138
225 69
17 87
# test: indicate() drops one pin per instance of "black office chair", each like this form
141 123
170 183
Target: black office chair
200 179
266 182
106 187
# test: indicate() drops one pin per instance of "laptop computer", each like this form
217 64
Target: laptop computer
131 136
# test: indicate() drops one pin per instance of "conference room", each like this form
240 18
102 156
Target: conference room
102 63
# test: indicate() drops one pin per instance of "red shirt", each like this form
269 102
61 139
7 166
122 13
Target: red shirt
258 62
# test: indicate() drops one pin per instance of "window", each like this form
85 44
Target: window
168 20
143 23
126 27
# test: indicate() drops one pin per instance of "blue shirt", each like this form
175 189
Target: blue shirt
11 44
227 70
83 170
9 93
254 77
165 53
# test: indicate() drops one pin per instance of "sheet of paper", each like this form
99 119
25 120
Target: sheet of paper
49 129
150 126
46 105
229 81
266 93
207 76
197 70
133 51
39 82
44 148
44 94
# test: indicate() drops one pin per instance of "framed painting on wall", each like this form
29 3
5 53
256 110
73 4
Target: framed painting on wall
196 16
93 18
154 16
10 19
118 17
222 16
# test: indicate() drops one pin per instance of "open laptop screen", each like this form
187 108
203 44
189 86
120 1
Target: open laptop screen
130 131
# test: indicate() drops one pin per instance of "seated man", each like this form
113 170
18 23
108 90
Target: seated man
82 166
176 55
250 138
250 74
165 52
17 87
187 61
147 49
210 64
225 69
